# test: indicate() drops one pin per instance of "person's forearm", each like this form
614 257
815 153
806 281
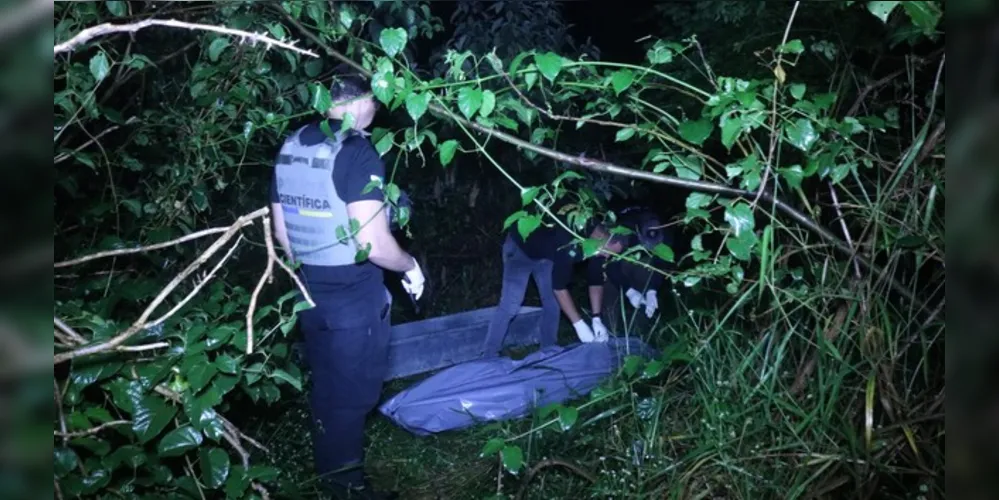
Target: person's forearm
596 299
388 255
568 306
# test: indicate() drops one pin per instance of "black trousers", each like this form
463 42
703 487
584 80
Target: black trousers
633 320
347 351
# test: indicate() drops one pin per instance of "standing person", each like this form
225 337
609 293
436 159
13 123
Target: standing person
548 255
640 283
319 185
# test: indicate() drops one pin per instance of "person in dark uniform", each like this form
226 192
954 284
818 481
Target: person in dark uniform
549 255
639 283
320 184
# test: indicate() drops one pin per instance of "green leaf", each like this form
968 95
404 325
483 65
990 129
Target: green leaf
393 40
698 200
514 217
383 82
151 416
179 441
660 53
882 10
797 90
567 417
513 458
792 47
528 195
488 103
216 48
621 80
624 134
688 167
313 67
740 216
527 225
446 151
65 461
321 100
417 103
741 246
549 63
801 134
100 66
590 247
214 467
631 365
492 446
201 374
696 132
116 7
664 252
385 143
731 125
925 15
469 101
653 369
793 175
293 381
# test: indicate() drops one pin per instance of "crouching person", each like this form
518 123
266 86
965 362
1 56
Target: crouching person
320 184
637 283
548 255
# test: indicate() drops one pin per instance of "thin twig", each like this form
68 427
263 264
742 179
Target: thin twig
199 286
59 410
147 248
64 328
92 430
773 115
268 272
842 224
140 323
551 462
294 277
108 28
146 347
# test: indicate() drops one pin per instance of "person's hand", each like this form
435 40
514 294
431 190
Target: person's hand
600 333
651 303
413 281
635 297
583 331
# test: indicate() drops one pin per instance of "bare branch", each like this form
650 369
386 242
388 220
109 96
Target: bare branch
146 347
140 323
199 286
93 430
268 273
147 248
71 333
108 28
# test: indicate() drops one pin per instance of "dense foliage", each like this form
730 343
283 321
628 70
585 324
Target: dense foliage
802 160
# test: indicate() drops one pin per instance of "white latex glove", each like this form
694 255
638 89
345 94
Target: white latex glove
583 331
413 280
600 333
635 297
651 303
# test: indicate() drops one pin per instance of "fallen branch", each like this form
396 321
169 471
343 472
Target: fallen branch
93 430
199 286
268 274
108 28
71 333
146 347
147 248
141 323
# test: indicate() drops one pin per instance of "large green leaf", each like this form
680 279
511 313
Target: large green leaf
882 10
550 64
469 101
393 40
179 441
417 103
696 132
622 79
151 416
446 151
214 467
513 458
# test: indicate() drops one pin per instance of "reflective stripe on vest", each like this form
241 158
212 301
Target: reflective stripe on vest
314 214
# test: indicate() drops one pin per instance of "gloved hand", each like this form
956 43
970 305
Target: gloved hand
635 297
413 281
600 333
651 303
583 331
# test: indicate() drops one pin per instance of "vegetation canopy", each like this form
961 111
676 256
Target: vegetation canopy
796 148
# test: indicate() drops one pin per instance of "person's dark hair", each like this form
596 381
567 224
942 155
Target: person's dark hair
347 84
